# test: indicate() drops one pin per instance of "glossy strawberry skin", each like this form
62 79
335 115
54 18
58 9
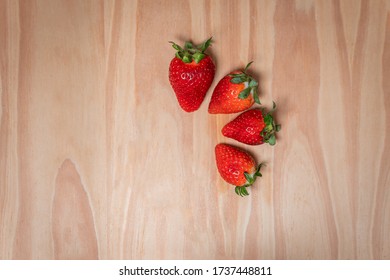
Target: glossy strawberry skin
246 128
232 162
191 81
225 97
253 127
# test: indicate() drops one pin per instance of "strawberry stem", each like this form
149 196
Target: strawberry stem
203 47
241 191
247 66
250 179
268 133
191 52
252 87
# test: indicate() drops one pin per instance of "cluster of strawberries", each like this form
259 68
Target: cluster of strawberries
191 73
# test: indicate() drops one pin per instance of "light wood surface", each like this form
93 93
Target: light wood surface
97 160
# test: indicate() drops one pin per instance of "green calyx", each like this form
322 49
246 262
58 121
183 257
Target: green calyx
191 52
250 179
268 133
252 84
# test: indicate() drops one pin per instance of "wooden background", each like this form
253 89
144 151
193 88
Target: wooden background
97 160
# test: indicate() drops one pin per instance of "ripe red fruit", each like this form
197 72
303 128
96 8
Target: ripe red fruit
234 93
253 127
236 167
191 73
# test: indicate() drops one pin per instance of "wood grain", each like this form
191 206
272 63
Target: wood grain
97 160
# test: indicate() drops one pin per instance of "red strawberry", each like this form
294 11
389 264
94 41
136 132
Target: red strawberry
234 93
253 127
236 167
191 73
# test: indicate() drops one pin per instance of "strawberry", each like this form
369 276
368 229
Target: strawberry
236 167
253 127
191 73
234 93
